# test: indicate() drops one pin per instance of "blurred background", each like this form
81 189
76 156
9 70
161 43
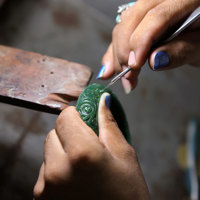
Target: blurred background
158 110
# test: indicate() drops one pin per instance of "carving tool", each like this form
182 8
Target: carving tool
192 18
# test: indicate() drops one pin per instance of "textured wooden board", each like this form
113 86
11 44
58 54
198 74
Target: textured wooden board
40 82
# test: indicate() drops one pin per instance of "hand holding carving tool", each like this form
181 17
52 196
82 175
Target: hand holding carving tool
192 18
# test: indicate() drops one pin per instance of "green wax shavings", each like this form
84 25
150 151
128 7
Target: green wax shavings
87 106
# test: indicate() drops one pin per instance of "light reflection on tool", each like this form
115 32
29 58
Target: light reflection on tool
192 18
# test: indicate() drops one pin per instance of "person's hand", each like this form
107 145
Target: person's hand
140 28
79 165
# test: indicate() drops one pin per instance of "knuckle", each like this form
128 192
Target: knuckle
66 115
85 157
136 40
130 153
80 157
56 173
71 110
52 176
133 39
154 13
61 118
159 14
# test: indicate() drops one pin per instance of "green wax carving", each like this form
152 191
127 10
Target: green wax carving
87 106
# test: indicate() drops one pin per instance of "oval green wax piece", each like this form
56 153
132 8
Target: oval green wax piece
87 106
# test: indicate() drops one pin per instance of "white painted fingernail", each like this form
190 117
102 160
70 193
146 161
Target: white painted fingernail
132 60
126 84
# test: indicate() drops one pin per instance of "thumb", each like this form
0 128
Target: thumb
109 132
182 50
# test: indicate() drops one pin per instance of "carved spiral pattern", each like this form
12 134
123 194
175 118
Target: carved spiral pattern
88 110
87 105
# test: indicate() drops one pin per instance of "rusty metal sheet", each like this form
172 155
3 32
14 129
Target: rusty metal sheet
40 82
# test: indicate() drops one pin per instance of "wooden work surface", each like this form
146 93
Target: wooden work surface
40 82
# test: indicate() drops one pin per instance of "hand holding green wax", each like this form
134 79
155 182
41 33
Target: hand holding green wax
87 106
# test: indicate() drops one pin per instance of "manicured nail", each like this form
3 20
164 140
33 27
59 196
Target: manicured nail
161 60
126 84
131 60
108 101
101 71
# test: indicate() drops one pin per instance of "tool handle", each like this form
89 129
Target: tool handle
192 18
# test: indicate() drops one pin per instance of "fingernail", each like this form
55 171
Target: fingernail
161 60
131 60
126 84
101 71
108 101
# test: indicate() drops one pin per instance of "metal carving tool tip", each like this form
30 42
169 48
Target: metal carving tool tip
192 18
118 77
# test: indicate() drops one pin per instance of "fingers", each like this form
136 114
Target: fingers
155 23
142 26
107 70
54 154
71 129
109 133
56 166
118 53
52 148
182 50
40 184
122 32
78 140
131 18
